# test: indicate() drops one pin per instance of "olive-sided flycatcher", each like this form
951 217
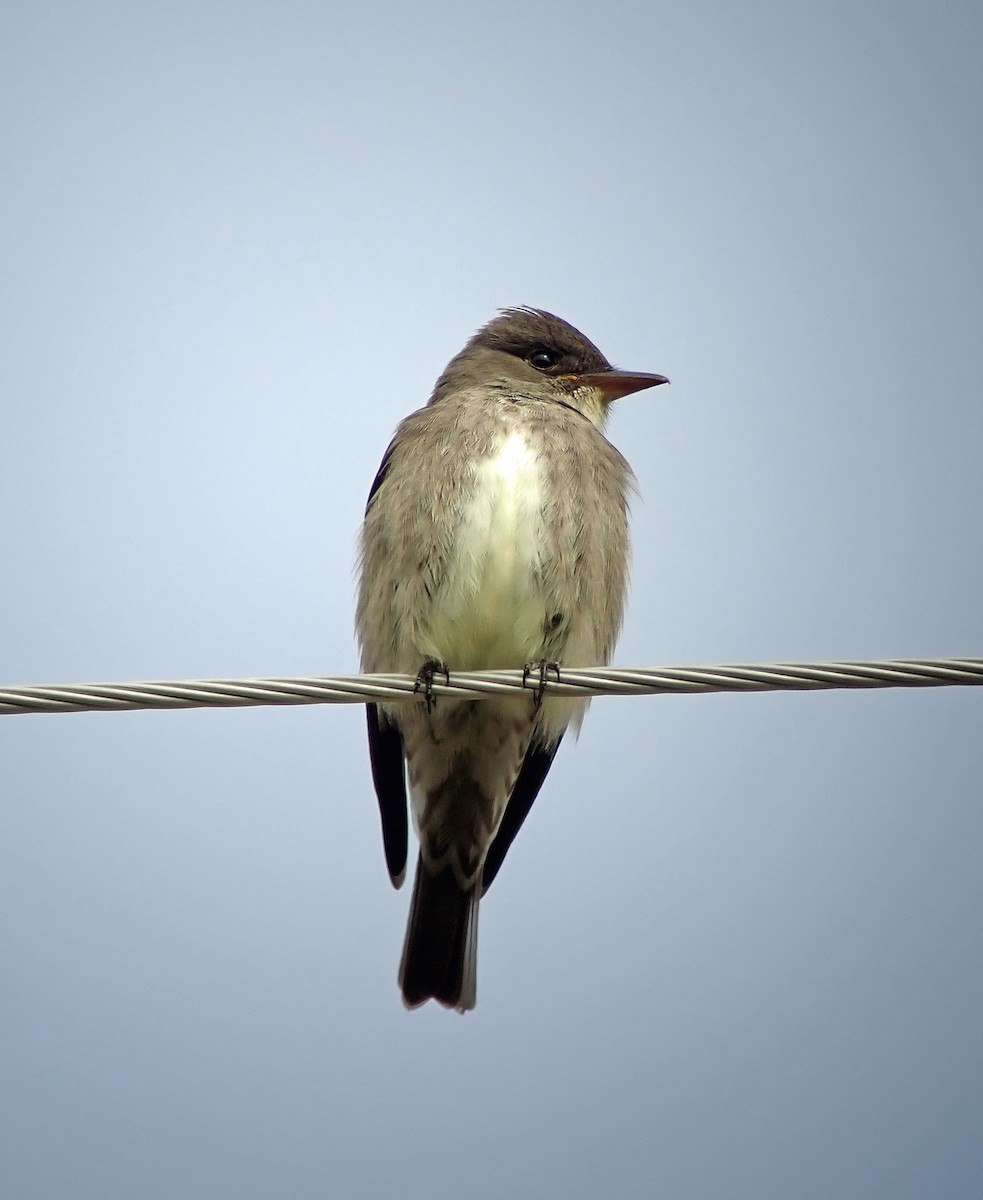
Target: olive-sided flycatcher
496 535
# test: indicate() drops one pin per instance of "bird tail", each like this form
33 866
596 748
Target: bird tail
440 954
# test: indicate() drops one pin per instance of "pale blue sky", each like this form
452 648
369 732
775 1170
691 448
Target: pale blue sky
735 950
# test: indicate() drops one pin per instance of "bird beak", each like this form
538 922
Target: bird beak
614 384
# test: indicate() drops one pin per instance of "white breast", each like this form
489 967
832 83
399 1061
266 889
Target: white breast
490 612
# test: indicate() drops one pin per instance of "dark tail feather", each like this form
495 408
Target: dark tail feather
440 954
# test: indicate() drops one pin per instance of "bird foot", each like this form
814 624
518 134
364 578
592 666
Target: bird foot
425 678
541 670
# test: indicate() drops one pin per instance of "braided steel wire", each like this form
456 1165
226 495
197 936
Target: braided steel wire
593 681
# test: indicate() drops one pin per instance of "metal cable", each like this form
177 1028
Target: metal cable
468 685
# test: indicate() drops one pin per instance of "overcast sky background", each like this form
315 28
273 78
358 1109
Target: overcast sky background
736 950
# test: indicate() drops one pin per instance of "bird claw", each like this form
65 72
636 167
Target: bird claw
425 678
542 670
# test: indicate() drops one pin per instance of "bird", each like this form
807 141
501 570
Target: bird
495 536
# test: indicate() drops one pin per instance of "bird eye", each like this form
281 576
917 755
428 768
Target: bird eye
542 360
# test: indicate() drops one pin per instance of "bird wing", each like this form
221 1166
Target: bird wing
381 474
386 756
534 769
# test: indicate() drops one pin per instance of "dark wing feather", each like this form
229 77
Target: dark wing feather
534 769
381 474
386 755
